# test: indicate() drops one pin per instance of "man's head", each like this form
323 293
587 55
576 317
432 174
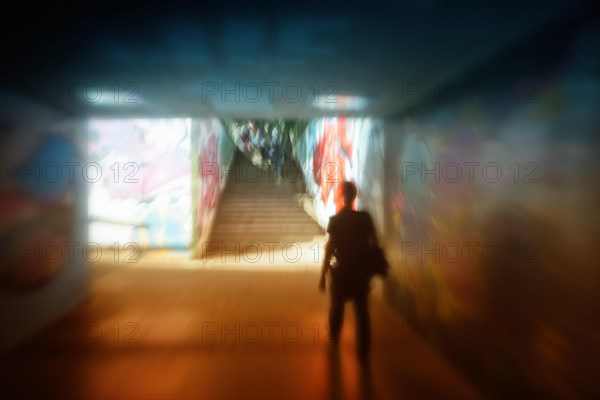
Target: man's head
348 193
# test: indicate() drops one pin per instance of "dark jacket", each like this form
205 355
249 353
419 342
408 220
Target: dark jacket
350 235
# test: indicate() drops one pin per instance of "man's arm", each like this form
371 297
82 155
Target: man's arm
371 231
329 250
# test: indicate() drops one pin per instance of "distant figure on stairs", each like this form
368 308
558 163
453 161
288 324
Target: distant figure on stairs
275 154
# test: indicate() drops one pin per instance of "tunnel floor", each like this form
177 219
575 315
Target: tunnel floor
161 332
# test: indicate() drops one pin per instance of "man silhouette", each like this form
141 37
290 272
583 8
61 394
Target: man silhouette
350 235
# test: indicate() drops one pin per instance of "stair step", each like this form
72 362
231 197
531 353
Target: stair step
264 218
262 193
260 200
264 206
263 241
255 200
253 208
280 212
252 228
275 208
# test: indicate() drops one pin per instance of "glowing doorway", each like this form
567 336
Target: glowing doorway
138 174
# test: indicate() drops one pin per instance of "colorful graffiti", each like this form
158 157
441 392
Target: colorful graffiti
142 193
215 154
336 149
37 205
333 151
490 203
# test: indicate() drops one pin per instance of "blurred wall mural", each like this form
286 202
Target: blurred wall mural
141 186
336 149
38 196
493 218
42 211
215 151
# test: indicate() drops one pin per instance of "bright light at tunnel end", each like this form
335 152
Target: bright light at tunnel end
334 102
115 99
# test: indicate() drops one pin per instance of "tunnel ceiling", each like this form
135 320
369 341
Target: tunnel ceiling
173 61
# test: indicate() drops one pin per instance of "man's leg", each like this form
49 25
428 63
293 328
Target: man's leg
336 316
363 327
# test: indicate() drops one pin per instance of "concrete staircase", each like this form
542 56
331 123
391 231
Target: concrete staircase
256 208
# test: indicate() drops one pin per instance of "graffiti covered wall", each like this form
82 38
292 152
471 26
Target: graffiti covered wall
140 191
42 212
336 149
215 152
492 199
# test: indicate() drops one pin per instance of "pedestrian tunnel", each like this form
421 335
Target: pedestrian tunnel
177 177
